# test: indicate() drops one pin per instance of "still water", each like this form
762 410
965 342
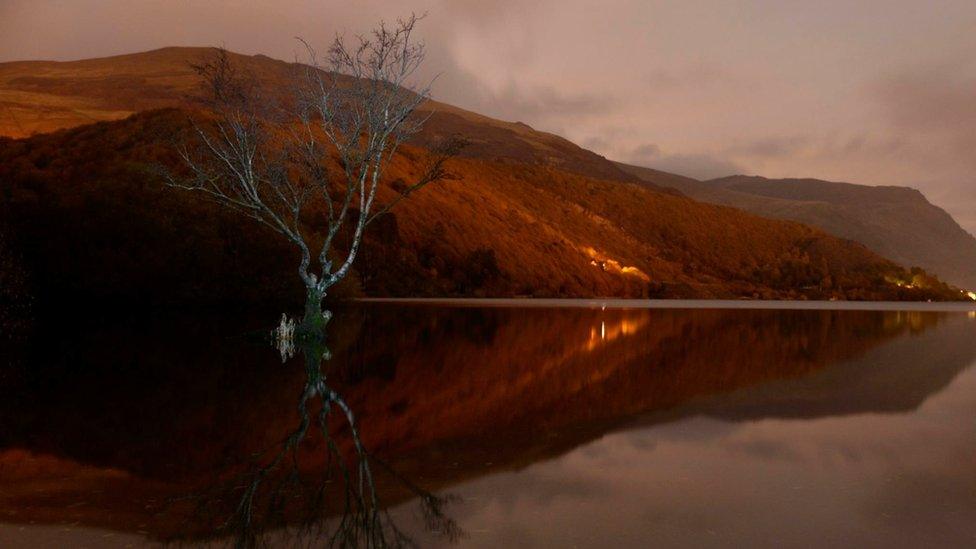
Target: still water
496 427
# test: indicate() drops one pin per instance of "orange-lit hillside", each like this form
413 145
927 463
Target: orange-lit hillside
532 214
43 96
89 219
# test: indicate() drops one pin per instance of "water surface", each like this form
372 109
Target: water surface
541 426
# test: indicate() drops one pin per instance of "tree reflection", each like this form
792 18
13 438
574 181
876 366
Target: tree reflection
444 395
332 499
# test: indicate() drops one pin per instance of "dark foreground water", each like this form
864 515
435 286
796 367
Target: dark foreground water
496 427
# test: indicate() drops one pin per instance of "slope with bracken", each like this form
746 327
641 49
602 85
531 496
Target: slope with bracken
43 96
895 222
531 214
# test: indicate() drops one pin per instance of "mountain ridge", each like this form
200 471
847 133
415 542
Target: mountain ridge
534 214
43 96
894 221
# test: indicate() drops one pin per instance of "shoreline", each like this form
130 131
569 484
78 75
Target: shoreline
617 303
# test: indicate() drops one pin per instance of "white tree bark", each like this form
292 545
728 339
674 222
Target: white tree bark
274 164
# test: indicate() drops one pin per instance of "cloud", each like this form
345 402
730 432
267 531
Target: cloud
696 165
647 150
769 147
931 109
596 143
834 147
493 13
936 102
765 449
692 77
540 103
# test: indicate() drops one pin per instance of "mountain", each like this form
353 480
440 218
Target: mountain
531 213
895 222
43 96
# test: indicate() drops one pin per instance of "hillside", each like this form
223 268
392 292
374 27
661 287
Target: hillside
532 214
895 222
43 96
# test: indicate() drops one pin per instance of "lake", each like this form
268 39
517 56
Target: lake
601 424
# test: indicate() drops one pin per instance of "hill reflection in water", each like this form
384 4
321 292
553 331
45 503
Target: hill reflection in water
508 407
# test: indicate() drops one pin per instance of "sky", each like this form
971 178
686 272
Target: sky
879 92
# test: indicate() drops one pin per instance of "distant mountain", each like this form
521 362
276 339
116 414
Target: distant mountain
895 222
533 214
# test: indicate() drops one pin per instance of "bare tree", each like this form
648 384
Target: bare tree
322 148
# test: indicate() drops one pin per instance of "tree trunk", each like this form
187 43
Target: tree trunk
314 320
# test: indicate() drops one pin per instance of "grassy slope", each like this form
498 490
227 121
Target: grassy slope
42 96
90 220
533 214
895 222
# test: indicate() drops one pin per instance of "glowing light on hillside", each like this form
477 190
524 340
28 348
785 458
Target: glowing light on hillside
601 261
972 295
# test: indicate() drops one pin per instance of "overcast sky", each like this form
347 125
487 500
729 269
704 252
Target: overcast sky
866 91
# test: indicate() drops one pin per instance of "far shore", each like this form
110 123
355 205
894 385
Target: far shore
615 303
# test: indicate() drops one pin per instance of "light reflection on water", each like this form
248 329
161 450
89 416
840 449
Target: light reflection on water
568 427
799 462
